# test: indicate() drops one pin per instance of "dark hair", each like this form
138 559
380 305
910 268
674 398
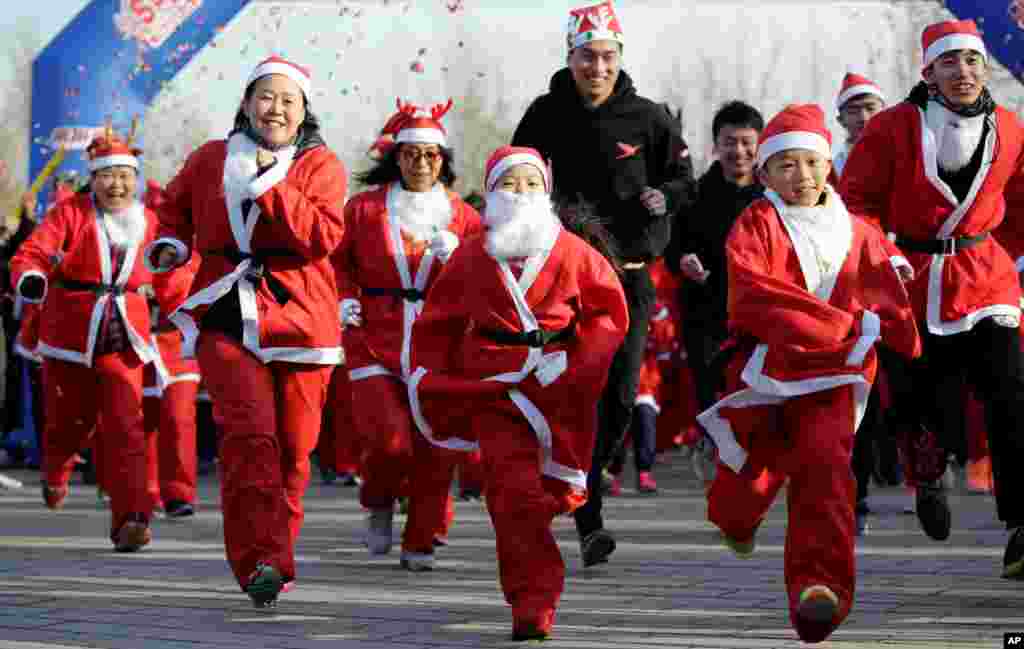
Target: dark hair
738 114
388 171
309 129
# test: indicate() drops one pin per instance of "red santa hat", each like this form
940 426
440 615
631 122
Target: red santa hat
594 23
509 156
855 85
108 150
951 35
277 65
419 126
796 127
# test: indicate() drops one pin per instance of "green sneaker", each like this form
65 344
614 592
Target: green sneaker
265 583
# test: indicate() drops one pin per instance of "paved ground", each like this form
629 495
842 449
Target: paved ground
671 583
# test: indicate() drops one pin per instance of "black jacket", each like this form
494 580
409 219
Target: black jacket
702 230
588 149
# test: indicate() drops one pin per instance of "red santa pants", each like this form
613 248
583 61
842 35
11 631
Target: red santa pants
813 449
394 451
337 447
74 396
269 417
522 504
170 422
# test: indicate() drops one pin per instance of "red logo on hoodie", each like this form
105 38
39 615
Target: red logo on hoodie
627 150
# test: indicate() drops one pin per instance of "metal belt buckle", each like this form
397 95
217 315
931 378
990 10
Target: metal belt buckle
948 247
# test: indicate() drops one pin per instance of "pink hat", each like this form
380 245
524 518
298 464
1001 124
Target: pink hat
855 85
509 156
951 35
595 23
277 65
796 127
420 127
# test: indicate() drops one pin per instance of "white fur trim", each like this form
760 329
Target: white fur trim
21 280
453 443
421 136
793 140
510 161
121 160
952 42
180 250
898 262
1020 264
647 400
365 372
862 89
278 67
582 38
262 184
871 332
539 423
153 392
720 429
26 353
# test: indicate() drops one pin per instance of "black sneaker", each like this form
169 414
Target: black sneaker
265 583
179 509
470 495
860 513
328 476
933 510
596 547
1013 560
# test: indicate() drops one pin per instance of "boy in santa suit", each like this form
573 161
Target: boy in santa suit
858 101
264 210
933 170
812 289
84 263
398 236
522 321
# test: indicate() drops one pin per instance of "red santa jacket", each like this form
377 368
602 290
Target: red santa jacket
292 225
68 249
790 342
891 178
27 340
375 254
460 369
169 363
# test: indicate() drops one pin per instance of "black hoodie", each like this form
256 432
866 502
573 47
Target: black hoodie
608 154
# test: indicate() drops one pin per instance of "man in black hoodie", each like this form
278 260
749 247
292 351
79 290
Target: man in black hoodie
623 156
697 249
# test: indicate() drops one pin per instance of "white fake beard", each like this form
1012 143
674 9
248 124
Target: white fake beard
956 137
422 214
519 225
126 228
827 227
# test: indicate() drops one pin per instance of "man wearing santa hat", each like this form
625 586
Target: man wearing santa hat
624 156
84 264
812 290
522 321
264 210
858 101
932 170
398 236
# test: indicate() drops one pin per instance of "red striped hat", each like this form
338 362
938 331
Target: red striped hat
509 156
277 65
796 127
855 85
950 35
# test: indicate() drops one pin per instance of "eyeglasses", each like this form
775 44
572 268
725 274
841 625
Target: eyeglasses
412 156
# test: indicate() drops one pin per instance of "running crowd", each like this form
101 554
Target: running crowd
829 316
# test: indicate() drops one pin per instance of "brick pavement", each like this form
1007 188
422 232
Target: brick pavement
670 584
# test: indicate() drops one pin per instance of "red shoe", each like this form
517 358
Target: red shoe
645 483
54 496
818 604
533 628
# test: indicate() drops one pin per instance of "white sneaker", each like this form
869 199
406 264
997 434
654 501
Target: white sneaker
951 478
417 562
378 531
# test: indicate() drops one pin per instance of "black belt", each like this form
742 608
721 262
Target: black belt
96 288
257 272
536 338
410 294
945 247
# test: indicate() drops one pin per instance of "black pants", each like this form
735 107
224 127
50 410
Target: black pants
615 408
702 340
932 391
644 431
864 444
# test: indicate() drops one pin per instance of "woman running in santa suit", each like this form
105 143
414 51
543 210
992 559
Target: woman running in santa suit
398 236
264 210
